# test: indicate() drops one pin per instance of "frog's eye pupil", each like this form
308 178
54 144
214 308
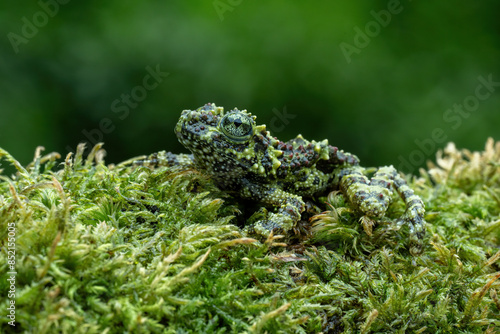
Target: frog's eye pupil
237 126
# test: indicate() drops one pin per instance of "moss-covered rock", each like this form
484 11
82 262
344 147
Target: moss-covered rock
120 249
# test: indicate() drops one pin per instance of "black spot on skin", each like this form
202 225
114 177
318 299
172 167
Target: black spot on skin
325 166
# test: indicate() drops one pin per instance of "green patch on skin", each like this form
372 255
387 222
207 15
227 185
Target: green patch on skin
113 248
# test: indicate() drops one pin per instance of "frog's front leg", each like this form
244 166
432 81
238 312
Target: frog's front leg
168 159
289 208
372 197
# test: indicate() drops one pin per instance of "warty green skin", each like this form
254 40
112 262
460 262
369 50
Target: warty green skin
246 161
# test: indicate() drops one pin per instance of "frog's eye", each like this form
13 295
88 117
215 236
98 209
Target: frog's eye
237 126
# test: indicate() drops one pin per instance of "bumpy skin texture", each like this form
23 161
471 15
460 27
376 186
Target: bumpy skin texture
245 160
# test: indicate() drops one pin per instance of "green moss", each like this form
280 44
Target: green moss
115 249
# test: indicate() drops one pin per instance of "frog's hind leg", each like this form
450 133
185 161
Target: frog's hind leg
372 197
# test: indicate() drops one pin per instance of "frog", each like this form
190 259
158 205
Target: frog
246 161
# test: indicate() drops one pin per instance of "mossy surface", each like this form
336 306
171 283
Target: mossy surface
121 249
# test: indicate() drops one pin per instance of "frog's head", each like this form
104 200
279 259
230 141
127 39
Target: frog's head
215 136
210 123
228 143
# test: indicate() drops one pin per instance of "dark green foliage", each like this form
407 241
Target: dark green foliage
119 249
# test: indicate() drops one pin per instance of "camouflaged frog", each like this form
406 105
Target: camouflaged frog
245 160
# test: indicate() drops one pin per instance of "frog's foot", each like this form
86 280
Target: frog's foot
372 197
289 211
277 223
266 227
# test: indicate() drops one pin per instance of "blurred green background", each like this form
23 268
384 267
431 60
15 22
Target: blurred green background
384 80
